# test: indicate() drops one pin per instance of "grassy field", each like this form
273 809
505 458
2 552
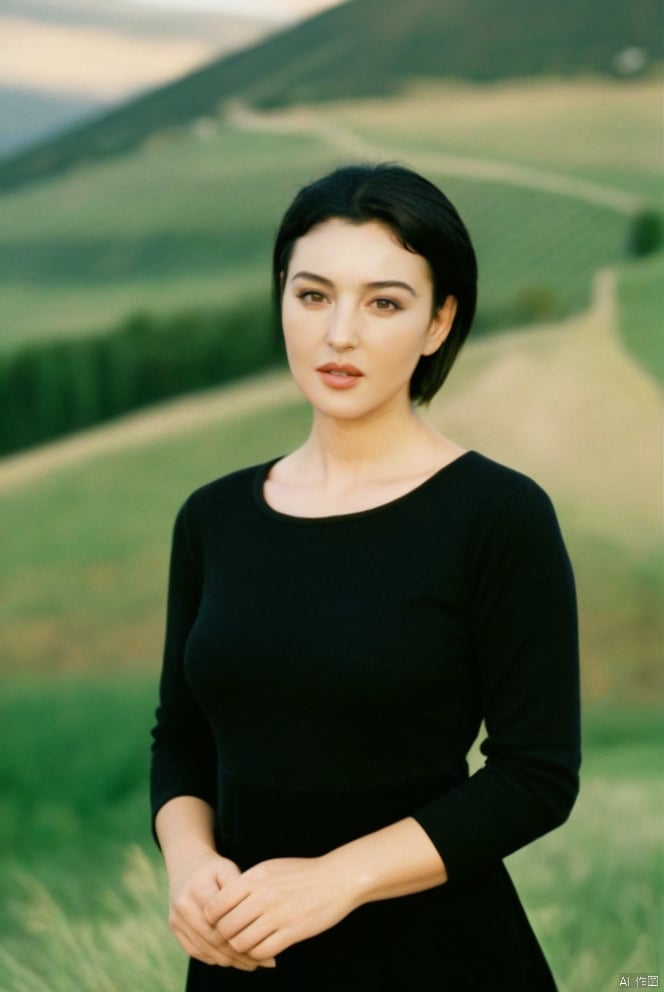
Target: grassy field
641 311
602 131
186 221
98 560
87 908
85 544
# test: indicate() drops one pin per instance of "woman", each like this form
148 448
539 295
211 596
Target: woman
341 620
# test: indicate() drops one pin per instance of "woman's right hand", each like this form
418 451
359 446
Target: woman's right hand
191 886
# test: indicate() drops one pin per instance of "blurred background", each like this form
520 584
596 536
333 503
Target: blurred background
147 151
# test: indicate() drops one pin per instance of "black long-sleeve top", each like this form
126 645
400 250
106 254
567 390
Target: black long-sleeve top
357 655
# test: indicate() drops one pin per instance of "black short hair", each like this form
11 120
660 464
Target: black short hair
422 219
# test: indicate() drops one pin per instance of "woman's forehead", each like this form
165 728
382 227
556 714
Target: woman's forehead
370 248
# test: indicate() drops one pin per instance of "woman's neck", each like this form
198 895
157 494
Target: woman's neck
347 466
348 451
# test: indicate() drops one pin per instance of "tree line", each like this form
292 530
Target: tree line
54 387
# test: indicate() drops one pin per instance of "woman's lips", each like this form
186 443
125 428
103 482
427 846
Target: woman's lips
339 376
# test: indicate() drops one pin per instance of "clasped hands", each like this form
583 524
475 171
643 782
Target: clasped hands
237 919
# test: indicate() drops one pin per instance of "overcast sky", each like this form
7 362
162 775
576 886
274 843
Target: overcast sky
277 9
65 69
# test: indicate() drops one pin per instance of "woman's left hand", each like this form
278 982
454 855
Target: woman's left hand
278 903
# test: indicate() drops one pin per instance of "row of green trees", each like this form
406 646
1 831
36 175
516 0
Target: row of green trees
54 387
51 388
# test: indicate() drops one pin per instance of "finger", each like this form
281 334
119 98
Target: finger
192 947
237 920
208 945
240 965
187 909
224 957
271 946
223 902
252 936
236 958
196 928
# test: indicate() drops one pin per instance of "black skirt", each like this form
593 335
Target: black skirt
469 933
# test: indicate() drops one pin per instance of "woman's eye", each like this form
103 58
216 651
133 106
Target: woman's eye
311 296
386 305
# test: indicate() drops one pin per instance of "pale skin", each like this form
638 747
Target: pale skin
367 446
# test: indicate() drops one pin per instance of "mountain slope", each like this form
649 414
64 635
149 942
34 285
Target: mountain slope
365 48
66 61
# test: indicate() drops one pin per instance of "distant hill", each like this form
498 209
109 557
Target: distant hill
66 61
370 48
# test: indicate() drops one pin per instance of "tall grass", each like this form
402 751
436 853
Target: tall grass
73 767
123 945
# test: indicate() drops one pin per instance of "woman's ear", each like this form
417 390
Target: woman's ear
441 325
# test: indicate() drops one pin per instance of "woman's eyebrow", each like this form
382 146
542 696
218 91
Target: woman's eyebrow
312 275
379 284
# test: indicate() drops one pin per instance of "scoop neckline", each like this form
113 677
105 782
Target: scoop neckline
270 511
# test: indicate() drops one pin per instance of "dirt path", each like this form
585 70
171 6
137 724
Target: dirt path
302 120
571 407
175 417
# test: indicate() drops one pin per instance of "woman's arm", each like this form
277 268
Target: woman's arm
183 748
183 776
185 830
523 619
278 903
398 860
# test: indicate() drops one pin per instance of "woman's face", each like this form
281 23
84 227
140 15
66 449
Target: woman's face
357 317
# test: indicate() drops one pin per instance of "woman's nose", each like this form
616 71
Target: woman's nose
342 329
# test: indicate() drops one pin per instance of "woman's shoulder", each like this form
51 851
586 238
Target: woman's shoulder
491 483
230 491
496 499
507 505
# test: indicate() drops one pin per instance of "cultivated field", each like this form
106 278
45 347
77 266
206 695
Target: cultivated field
188 219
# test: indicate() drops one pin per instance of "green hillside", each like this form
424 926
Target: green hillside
192 225
372 47
187 221
158 211
641 312
116 276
